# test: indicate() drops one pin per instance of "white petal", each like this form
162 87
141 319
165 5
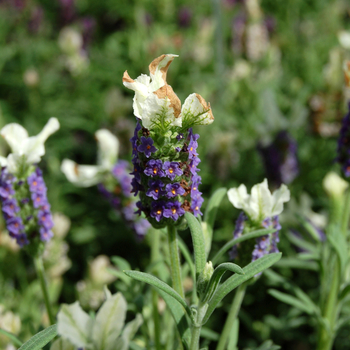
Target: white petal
344 39
34 146
279 197
108 147
159 68
261 201
196 110
3 161
14 134
238 196
81 175
13 160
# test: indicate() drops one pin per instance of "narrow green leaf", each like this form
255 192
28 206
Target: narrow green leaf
210 215
11 336
180 318
156 282
341 323
109 322
40 339
216 278
290 300
207 333
344 292
232 242
338 242
198 243
268 345
233 282
297 263
301 243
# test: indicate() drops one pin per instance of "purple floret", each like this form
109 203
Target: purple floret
45 234
196 204
6 190
137 172
141 227
172 169
136 186
154 168
173 190
10 207
146 146
193 165
173 210
22 239
155 189
14 226
45 219
157 210
39 199
120 168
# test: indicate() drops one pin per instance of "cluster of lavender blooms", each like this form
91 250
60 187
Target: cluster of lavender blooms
112 176
261 210
280 159
165 157
25 207
22 188
343 155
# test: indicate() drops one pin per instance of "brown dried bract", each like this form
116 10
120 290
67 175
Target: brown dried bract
126 78
175 103
156 62
186 205
145 132
205 105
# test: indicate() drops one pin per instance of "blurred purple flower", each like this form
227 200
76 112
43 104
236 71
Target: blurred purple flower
184 17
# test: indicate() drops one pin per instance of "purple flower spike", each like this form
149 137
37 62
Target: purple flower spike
22 239
10 207
155 189
45 234
173 190
15 226
172 169
154 168
146 146
157 210
173 210
45 219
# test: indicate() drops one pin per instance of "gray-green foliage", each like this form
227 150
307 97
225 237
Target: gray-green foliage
105 332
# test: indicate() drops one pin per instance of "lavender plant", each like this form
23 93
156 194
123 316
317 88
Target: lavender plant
112 178
165 174
23 194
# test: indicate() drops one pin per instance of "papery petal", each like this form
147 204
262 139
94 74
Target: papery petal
13 159
197 111
3 161
108 147
167 92
14 134
81 175
33 147
238 196
139 85
261 201
279 197
159 68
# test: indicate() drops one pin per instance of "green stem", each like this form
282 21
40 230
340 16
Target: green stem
236 305
175 261
196 328
39 266
346 213
155 241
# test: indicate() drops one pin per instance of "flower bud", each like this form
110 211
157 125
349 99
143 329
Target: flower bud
204 278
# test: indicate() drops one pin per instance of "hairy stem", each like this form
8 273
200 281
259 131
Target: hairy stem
39 266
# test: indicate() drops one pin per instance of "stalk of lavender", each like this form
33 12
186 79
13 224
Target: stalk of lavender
260 210
165 154
23 195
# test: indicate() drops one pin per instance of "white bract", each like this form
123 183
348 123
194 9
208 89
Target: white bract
260 204
25 150
157 105
89 175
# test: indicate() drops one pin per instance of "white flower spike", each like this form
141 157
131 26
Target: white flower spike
89 175
23 147
261 204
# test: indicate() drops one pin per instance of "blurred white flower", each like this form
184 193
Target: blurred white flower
89 175
70 41
31 77
25 149
10 322
344 39
261 204
61 225
334 185
98 270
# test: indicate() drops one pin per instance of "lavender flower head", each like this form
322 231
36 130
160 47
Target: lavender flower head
164 156
23 193
280 159
261 210
343 154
